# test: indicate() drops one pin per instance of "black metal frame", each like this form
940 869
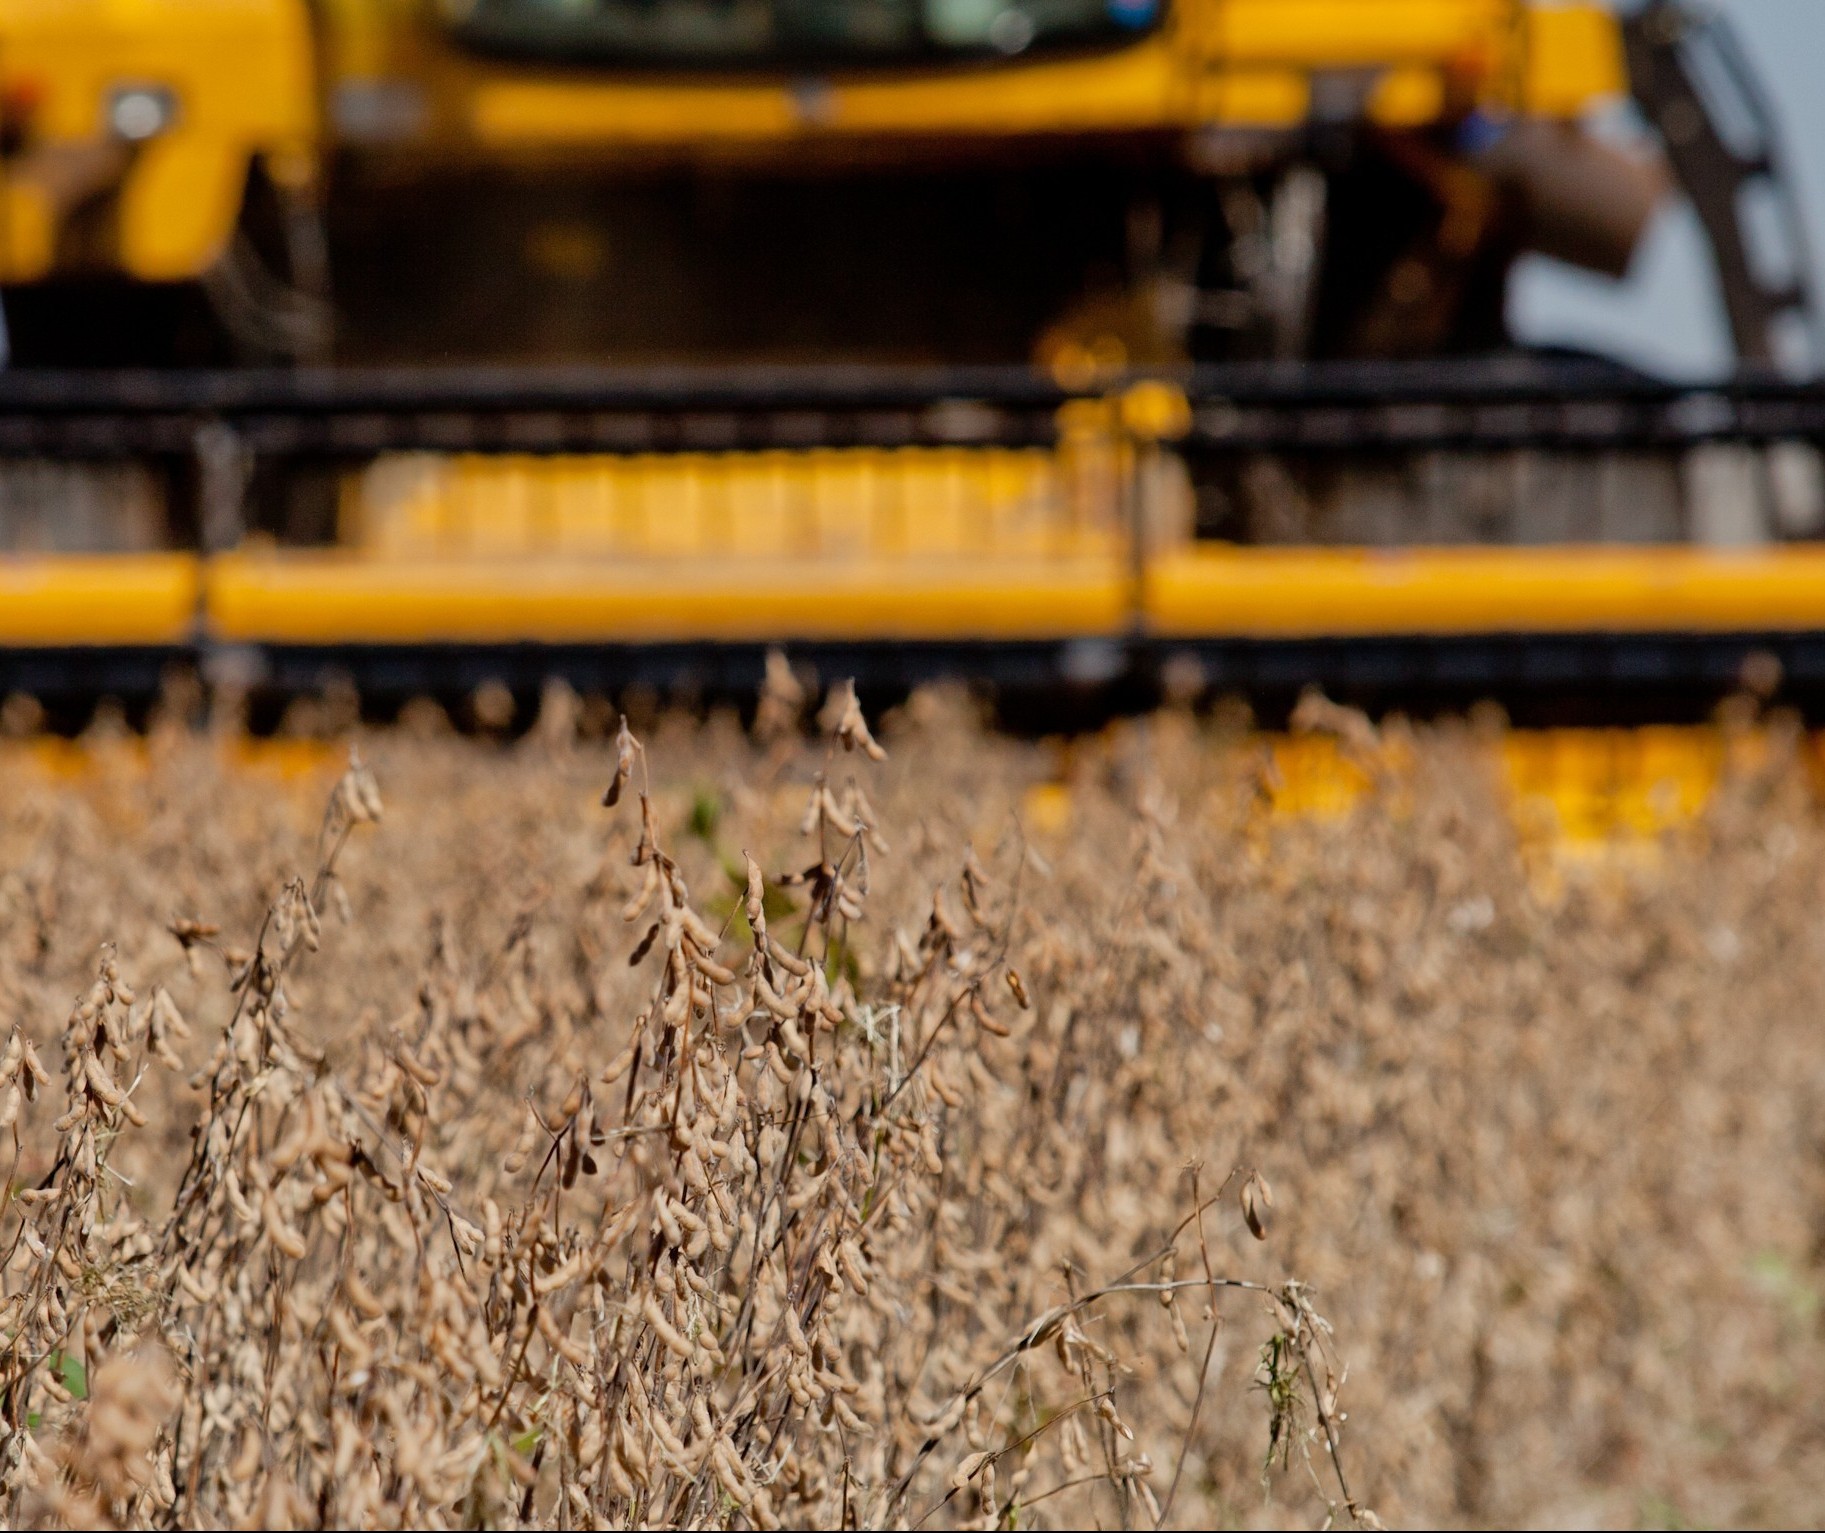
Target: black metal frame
1604 678
1317 407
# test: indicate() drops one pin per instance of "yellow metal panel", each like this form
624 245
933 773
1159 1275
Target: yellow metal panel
1314 778
1136 87
239 72
1568 56
361 36
836 504
28 231
179 205
326 598
240 68
1346 34
1254 98
1296 592
98 599
1132 88
1588 787
1572 59
1405 98
510 112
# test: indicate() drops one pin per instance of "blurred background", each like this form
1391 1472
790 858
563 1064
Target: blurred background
1666 316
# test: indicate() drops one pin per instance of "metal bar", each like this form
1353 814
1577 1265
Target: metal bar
1309 408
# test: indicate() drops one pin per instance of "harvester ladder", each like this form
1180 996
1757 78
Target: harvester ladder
1690 77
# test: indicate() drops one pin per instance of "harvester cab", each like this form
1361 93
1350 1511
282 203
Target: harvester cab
1101 183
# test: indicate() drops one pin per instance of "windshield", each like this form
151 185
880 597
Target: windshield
789 32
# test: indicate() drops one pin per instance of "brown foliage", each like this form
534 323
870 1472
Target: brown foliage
886 1185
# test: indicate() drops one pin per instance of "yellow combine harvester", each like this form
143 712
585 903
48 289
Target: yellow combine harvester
831 322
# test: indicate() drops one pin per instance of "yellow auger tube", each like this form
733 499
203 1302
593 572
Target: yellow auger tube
333 599
133 600
1301 593
1201 593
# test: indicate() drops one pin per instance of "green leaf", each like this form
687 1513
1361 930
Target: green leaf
71 1374
841 961
706 815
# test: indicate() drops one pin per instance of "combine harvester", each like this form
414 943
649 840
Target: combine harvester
1107 345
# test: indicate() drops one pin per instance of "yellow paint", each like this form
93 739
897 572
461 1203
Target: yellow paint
1578 788
685 548
361 36
1133 87
1407 97
545 112
1046 808
239 67
1571 60
285 760
1252 98
841 504
97 599
321 598
240 73
249 77
179 206
304 768
868 549
1346 34
1571 794
1153 411
61 761
1214 592
28 231
1311 776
